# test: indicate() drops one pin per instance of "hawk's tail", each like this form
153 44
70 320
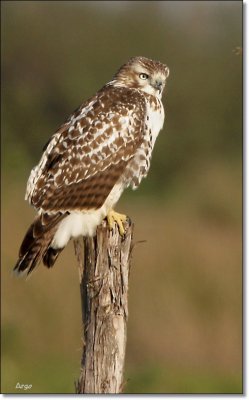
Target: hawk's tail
35 245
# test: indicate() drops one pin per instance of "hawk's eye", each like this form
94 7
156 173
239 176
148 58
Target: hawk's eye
143 76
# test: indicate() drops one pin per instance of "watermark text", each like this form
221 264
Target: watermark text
23 386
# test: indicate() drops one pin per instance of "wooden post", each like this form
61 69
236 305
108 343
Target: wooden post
104 272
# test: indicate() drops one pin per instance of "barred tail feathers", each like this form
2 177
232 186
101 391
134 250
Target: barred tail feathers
35 245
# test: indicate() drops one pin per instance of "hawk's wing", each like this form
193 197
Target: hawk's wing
89 153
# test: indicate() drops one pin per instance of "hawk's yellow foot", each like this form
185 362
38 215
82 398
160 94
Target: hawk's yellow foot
112 217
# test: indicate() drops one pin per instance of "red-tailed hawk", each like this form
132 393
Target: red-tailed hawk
104 147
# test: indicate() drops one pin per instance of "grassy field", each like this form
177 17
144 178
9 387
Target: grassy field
185 298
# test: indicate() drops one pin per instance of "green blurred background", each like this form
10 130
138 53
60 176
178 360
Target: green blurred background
185 298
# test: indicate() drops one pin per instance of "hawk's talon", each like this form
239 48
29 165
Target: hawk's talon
112 217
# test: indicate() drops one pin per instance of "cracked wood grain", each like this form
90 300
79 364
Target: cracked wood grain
104 264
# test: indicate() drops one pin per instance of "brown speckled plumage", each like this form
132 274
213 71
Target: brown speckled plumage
103 147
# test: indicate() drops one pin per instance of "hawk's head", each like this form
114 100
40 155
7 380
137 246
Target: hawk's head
143 73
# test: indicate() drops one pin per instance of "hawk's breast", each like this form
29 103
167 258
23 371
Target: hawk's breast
155 118
138 168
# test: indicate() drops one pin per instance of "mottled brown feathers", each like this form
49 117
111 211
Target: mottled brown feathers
95 151
102 148
87 194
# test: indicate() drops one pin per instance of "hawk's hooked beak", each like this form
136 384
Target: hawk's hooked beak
157 84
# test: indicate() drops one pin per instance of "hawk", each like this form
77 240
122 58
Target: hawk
104 147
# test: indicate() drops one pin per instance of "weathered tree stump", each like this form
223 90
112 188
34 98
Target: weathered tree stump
104 271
